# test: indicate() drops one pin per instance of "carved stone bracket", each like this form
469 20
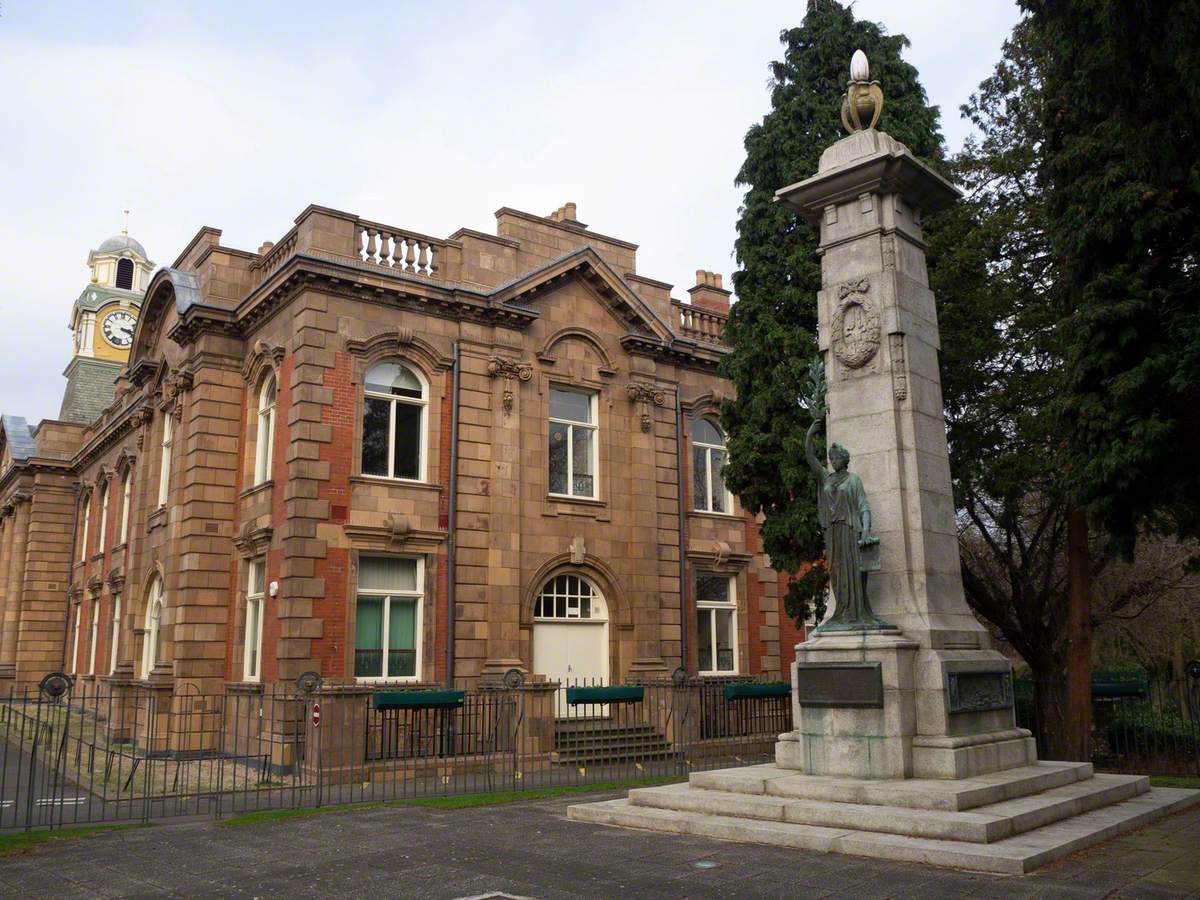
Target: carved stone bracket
509 369
855 328
398 529
176 384
95 585
116 580
251 541
646 395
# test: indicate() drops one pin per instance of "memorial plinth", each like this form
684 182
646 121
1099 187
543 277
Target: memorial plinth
905 744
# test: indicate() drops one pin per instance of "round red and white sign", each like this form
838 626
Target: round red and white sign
316 715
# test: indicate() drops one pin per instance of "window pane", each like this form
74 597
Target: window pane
584 482
402 626
257 573
570 405
718 483
704 639
699 478
376 415
253 611
267 397
387 573
712 588
408 441
392 378
558 458
368 639
725 639
705 432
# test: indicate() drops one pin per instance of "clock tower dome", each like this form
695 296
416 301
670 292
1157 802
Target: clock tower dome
102 322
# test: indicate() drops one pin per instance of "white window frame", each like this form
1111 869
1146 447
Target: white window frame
164 466
115 638
150 638
95 634
393 399
257 602
264 450
75 641
709 472
126 491
418 622
83 538
712 607
571 424
103 529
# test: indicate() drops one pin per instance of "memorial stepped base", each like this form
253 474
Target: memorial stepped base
1009 822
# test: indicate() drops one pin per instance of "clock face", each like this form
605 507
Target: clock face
118 328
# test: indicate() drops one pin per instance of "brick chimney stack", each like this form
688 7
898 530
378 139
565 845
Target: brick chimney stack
709 293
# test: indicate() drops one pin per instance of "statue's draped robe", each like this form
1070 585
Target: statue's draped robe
842 507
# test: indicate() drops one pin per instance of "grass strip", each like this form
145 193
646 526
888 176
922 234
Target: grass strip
26 841
1175 781
459 801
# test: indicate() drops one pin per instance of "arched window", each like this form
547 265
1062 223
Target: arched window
569 597
102 530
164 470
154 611
126 490
708 456
393 440
86 514
125 274
265 440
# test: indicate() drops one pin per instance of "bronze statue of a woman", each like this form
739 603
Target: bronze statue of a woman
846 518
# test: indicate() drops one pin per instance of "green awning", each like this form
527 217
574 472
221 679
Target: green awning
745 691
419 699
578 695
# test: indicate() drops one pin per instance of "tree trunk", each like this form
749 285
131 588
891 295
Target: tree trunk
1050 710
1077 737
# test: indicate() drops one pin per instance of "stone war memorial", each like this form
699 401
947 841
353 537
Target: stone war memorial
905 744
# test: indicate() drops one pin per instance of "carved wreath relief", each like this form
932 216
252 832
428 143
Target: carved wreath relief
855 331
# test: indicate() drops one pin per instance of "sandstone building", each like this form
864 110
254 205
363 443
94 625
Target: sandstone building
384 457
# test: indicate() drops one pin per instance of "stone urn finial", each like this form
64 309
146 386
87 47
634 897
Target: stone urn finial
863 100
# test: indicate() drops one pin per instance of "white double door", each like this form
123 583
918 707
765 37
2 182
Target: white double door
571 652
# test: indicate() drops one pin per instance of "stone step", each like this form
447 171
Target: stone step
914 793
983 825
1013 856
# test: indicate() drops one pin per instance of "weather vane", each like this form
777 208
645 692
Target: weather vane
863 100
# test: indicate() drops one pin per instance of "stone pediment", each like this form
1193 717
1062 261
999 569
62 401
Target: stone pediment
586 265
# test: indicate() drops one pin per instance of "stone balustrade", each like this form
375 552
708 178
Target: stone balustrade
699 324
399 250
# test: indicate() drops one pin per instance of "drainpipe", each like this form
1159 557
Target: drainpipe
70 575
683 621
452 519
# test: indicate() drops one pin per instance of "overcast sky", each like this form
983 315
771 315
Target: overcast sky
426 115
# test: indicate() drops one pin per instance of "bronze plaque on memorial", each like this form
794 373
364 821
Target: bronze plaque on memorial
847 684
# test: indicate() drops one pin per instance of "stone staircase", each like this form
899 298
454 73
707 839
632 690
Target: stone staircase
1009 822
599 741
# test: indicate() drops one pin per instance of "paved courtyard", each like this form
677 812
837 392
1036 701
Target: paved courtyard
531 850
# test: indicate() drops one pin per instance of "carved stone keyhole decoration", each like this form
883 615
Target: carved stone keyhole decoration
645 395
509 369
855 328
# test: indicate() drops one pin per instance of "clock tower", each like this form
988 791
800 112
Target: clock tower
102 322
